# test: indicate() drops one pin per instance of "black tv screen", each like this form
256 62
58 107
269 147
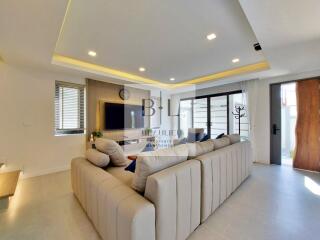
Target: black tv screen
123 116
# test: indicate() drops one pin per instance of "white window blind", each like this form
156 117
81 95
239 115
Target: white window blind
69 108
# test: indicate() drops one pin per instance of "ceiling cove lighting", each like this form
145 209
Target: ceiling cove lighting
211 36
235 60
142 69
92 53
172 79
108 72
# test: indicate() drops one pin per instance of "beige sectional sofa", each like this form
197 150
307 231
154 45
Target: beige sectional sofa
179 191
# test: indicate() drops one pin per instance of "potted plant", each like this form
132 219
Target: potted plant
148 131
97 134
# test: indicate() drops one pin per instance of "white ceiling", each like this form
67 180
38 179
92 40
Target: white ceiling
166 37
288 31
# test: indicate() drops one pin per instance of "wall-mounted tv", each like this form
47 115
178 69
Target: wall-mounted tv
123 116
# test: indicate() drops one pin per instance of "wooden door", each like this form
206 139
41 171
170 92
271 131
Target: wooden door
308 125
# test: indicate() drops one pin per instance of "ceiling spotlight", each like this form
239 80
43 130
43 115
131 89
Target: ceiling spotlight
92 53
235 60
211 36
172 79
142 69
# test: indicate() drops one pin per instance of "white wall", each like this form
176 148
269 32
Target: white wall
27 138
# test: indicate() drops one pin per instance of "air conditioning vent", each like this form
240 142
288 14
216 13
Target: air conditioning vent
257 47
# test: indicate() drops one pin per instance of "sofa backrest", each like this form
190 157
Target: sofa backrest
149 163
199 148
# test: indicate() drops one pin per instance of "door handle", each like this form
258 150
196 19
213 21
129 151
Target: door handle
275 129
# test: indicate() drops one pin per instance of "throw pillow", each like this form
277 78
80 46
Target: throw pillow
113 149
148 148
205 138
220 136
151 162
97 158
194 137
131 167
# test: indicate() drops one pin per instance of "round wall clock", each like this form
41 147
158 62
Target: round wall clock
124 94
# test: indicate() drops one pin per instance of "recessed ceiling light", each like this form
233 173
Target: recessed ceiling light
172 79
211 36
142 69
235 60
92 53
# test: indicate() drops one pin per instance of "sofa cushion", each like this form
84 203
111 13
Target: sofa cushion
122 175
113 149
205 138
151 162
221 142
199 148
97 158
234 138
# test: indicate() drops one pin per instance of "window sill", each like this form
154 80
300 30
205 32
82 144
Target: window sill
69 134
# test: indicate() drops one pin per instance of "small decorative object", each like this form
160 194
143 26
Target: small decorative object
148 131
238 114
91 138
96 134
180 133
124 94
92 141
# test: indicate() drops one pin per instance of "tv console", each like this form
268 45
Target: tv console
130 140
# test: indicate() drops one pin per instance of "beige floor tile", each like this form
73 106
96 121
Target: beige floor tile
272 204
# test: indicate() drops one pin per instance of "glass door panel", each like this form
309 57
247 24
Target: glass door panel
185 116
219 115
200 114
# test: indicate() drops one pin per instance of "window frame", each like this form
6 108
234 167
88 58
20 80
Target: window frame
209 108
81 107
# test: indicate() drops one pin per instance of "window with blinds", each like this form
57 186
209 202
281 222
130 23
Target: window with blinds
69 108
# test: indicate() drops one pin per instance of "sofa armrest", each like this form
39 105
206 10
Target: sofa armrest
116 210
175 192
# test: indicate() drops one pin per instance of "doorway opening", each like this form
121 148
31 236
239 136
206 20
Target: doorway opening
288 122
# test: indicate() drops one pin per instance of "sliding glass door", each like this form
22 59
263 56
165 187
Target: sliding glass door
186 116
215 113
219 115
200 114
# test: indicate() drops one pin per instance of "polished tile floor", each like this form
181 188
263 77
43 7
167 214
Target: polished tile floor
274 203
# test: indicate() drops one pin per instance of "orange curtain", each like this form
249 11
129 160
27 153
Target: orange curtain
308 125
